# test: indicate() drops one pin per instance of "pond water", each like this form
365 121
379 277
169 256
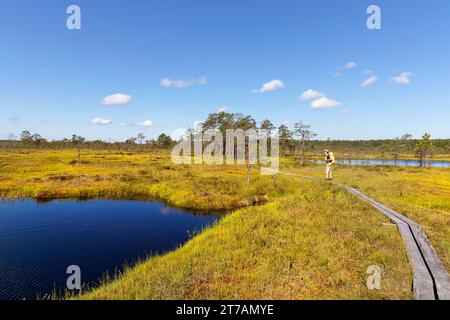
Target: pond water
380 162
38 241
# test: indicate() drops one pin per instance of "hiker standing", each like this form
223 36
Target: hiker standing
329 162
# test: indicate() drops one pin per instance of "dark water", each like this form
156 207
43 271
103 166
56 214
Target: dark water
399 163
39 241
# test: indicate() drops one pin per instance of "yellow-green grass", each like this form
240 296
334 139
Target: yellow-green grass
315 243
121 175
422 194
305 239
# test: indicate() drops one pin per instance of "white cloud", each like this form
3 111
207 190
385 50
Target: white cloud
324 103
340 71
178 134
369 81
178 84
145 124
116 99
350 65
270 86
320 101
310 94
198 125
100 121
345 111
223 109
404 78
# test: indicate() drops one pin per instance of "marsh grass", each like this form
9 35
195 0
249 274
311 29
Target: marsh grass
421 194
313 244
304 239
110 175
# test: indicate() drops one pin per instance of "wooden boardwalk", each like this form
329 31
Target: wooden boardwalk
431 280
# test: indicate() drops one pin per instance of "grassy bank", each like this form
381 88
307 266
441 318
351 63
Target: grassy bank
422 194
315 243
116 175
304 240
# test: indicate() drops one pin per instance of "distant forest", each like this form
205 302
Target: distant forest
296 141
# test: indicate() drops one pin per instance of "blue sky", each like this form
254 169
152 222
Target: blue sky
53 80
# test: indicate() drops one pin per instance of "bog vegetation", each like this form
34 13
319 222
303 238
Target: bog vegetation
284 237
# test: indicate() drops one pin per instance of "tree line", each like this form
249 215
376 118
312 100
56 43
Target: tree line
293 142
36 141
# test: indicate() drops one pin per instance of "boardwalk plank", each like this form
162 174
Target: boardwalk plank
431 279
